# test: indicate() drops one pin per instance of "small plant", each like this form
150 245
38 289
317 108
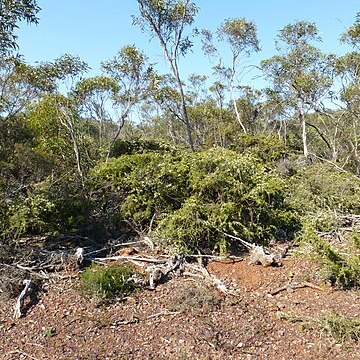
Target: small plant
49 332
342 328
105 283
189 297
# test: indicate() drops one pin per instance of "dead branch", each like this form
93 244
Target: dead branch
289 287
210 278
258 254
20 302
159 273
119 257
132 320
21 353
243 242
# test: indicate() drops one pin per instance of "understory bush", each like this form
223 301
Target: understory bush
342 328
107 282
340 261
47 209
320 193
192 198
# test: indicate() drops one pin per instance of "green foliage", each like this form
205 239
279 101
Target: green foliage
240 34
106 283
342 268
267 148
12 12
352 35
340 264
49 332
143 184
27 216
136 146
342 328
49 209
320 192
194 197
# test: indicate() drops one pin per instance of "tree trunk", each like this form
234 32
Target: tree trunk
236 110
303 131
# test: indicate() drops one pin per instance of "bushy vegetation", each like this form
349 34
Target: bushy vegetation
205 157
340 262
193 198
104 283
342 328
189 297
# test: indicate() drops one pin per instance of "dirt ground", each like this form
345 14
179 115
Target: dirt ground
183 319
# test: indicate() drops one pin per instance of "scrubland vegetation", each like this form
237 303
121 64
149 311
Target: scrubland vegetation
205 155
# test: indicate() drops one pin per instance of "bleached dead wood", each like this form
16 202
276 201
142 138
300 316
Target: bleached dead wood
163 313
258 254
79 254
21 353
20 301
120 257
194 270
158 273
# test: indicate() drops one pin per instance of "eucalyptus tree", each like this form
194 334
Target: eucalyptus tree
95 100
352 35
129 78
241 37
300 74
347 68
57 80
16 90
12 12
167 20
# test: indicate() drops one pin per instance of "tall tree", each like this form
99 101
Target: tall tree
299 74
11 12
352 35
132 75
167 20
241 36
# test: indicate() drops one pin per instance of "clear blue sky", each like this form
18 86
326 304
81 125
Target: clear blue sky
95 30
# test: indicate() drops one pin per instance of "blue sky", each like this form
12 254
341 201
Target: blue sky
95 30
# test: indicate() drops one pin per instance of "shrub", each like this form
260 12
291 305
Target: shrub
137 146
48 209
319 193
267 148
105 283
191 198
341 264
342 328
188 297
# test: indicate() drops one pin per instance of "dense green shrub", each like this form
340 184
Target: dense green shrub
193 197
341 263
136 146
140 186
104 283
266 147
319 193
46 209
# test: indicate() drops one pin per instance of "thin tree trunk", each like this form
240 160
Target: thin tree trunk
236 110
303 131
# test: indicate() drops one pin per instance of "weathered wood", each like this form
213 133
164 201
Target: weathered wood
20 301
258 254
